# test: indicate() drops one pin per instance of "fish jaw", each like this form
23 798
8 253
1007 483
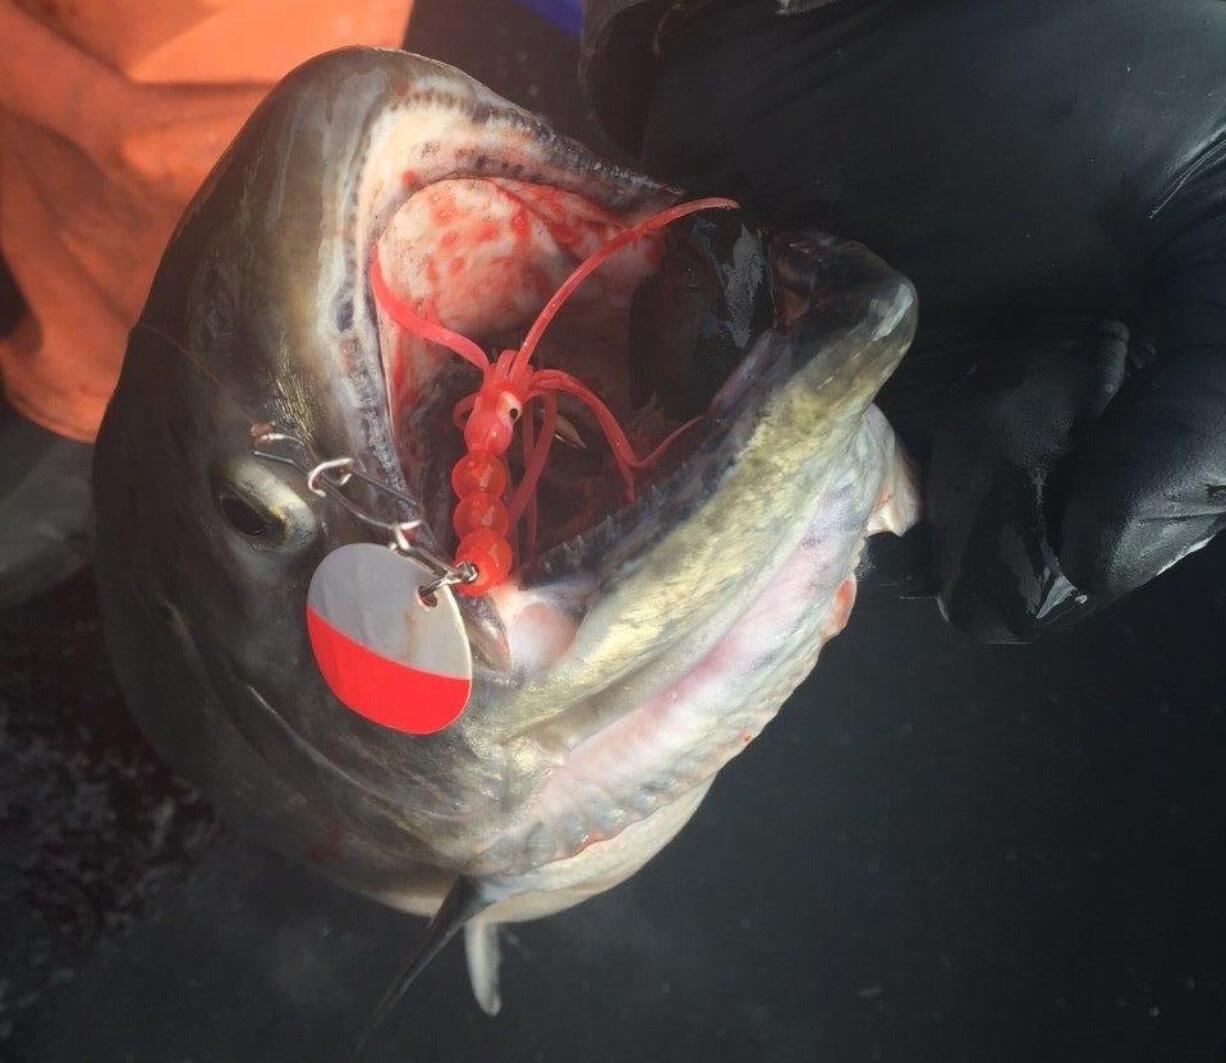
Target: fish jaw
743 666
624 792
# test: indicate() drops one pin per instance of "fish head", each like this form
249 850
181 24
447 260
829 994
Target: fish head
634 645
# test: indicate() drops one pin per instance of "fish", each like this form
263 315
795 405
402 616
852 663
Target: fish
637 646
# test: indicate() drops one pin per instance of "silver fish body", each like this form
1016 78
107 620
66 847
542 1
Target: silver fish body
615 674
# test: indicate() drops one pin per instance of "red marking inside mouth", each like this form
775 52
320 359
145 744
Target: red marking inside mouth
511 380
385 692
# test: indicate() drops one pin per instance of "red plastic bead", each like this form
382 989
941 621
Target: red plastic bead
490 553
480 510
479 471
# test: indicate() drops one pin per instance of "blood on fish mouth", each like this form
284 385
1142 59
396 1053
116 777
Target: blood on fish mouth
484 289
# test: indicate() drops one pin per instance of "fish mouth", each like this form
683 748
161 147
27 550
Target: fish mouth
476 212
660 334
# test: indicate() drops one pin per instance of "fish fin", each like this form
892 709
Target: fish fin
463 901
484 955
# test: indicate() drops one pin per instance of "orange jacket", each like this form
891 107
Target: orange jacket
111 114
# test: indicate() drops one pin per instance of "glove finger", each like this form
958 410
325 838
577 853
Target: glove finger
993 459
1149 486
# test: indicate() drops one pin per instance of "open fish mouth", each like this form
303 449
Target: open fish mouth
474 213
647 357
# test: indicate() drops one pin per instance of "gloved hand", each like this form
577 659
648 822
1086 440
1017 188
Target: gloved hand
1053 178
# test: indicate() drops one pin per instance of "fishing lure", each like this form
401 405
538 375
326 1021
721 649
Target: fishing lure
482 519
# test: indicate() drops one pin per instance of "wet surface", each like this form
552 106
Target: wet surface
94 829
938 851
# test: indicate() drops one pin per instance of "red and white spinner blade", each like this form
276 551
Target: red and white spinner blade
382 652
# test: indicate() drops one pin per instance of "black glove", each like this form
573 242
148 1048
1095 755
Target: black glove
1053 178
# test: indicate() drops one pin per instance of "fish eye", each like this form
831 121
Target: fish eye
260 507
246 519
